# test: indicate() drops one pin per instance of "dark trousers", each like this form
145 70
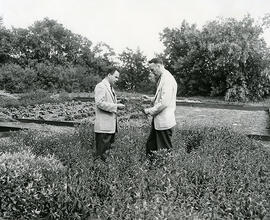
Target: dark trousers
103 143
158 140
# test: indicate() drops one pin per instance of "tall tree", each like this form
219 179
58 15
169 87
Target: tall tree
226 57
49 41
134 71
6 45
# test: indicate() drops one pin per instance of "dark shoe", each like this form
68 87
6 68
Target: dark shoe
102 158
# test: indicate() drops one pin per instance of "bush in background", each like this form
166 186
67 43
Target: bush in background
52 78
33 98
14 78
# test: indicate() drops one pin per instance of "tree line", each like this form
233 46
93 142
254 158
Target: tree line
225 57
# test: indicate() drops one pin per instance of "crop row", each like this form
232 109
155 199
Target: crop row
68 111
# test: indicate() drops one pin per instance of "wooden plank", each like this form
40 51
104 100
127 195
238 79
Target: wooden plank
5 134
259 137
6 128
49 122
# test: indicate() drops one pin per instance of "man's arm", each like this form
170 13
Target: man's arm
166 96
100 100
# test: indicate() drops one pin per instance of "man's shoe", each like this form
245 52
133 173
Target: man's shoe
101 158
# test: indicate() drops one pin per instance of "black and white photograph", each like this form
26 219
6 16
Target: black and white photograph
134 110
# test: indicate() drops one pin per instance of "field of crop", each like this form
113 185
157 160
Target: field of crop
225 176
247 122
68 110
213 172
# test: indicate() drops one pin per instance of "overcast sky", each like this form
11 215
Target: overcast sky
127 23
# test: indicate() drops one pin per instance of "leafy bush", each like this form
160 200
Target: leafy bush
211 173
33 98
64 146
61 78
68 198
8 102
27 185
237 94
14 78
49 77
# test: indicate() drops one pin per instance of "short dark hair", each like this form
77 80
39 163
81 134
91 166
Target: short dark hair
156 61
111 70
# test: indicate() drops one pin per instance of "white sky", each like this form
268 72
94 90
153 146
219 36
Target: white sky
127 23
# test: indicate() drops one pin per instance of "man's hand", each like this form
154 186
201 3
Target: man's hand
120 106
146 98
145 111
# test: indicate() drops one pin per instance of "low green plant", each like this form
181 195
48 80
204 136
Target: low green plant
211 173
27 184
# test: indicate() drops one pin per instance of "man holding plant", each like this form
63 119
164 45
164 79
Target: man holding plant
105 108
163 110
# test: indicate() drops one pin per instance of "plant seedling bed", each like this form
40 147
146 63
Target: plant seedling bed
250 120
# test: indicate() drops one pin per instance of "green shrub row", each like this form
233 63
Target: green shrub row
16 79
212 173
33 98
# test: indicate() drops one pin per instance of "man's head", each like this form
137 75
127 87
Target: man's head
156 66
113 76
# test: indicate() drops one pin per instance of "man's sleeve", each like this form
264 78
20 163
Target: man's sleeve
100 100
166 96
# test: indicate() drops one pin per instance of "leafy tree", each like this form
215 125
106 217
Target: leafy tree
182 50
134 71
14 78
225 58
104 58
59 58
48 41
5 44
